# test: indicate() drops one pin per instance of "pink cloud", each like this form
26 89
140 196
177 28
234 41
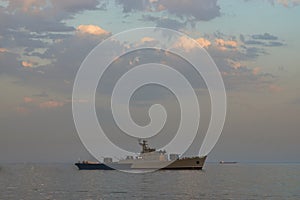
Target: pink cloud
78 101
147 39
161 7
3 50
203 42
91 29
51 104
256 70
187 44
22 110
28 99
275 88
287 3
32 6
225 44
224 73
234 64
27 64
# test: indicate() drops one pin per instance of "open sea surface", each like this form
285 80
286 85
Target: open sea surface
65 181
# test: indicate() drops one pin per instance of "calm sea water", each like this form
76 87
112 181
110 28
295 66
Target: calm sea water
64 181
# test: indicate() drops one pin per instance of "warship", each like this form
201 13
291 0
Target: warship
148 159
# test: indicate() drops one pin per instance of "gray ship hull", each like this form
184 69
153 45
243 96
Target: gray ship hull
195 163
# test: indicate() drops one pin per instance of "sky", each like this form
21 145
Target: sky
254 43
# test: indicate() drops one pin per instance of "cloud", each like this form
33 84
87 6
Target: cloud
30 34
28 99
68 54
203 42
55 6
185 43
285 3
41 95
275 88
199 10
188 44
231 57
91 29
21 110
265 36
147 39
254 42
2 50
28 64
28 25
65 47
275 44
58 73
135 5
234 64
165 22
256 70
36 102
51 104
253 52
266 40
33 6
288 3
226 44
75 6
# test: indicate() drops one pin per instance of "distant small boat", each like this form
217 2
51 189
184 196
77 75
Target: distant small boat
227 162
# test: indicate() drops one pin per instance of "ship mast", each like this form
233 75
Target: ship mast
145 148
